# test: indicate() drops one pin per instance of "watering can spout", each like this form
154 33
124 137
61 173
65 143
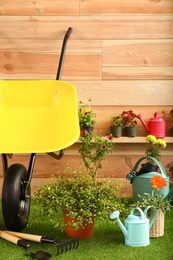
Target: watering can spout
115 216
169 195
143 122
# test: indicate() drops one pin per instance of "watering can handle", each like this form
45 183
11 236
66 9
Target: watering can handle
153 217
139 209
163 173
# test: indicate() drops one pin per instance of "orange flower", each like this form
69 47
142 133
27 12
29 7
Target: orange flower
158 182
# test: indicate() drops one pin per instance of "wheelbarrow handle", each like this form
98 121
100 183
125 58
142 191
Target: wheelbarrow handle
61 60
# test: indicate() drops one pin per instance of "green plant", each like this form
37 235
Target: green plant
81 195
155 199
117 120
153 149
80 192
93 150
86 114
129 118
169 165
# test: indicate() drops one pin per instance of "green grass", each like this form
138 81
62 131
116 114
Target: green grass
107 242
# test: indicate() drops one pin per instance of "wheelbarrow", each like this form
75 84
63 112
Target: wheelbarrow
37 116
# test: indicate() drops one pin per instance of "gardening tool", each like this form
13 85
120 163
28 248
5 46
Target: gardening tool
137 226
40 254
141 182
156 125
39 109
62 247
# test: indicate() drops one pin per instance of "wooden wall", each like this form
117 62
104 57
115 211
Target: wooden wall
120 55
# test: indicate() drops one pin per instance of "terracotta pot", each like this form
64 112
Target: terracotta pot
82 233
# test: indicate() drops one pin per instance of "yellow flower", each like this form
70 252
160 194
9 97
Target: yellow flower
151 138
85 110
161 143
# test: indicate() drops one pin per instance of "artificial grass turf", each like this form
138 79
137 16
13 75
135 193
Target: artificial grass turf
107 242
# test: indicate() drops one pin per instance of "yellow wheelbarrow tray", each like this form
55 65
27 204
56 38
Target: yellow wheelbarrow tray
37 116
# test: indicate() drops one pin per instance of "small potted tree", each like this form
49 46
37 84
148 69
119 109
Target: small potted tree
117 125
80 194
86 116
130 123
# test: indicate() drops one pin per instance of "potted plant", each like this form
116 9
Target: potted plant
159 202
86 116
80 194
117 125
152 151
130 123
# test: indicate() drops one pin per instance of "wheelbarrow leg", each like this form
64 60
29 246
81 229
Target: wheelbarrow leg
16 194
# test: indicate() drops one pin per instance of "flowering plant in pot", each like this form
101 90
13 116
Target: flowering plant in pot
80 194
86 116
117 125
130 123
152 151
159 201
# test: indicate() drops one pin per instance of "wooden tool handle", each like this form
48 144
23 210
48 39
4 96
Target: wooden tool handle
30 237
14 239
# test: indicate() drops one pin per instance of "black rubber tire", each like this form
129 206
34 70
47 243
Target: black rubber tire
15 198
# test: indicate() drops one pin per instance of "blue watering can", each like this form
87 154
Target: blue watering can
141 181
137 226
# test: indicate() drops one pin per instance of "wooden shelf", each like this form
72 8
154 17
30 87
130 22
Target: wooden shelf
138 139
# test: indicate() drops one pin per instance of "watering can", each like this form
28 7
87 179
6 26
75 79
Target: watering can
156 125
137 226
141 183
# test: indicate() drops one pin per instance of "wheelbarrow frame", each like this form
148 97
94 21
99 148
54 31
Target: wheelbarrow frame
17 179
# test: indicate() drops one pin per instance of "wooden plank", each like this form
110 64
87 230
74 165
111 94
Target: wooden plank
130 92
44 66
138 53
137 73
101 27
109 7
50 46
39 7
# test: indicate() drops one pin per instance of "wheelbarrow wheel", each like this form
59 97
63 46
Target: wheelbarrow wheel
16 198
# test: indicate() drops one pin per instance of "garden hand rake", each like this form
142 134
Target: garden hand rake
62 247
40 254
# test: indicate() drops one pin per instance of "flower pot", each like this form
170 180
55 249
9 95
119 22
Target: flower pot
89 129
116 131
148 167
131 131
84 232
157 229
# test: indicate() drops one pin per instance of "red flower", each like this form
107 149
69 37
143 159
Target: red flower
158 182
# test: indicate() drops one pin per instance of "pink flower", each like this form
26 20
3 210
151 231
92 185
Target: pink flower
110 136
103 147
84 133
